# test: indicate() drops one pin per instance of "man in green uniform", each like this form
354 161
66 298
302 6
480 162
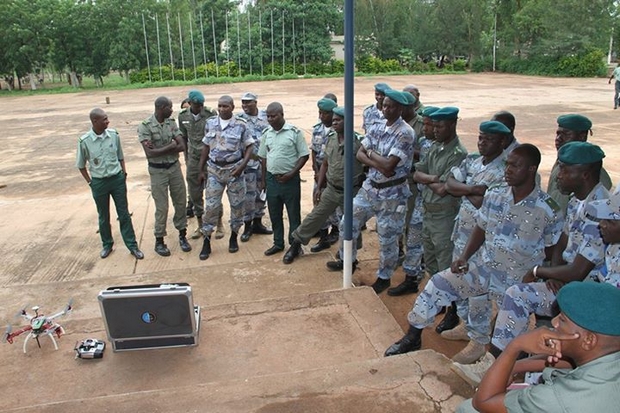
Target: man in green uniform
162 141
571 127
192 126
329 190
283 152
579 359
101 149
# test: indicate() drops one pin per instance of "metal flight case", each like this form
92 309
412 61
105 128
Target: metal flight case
150 316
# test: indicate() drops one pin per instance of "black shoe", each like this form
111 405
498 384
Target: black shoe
105 252
338 265
450 320
137 253
185 247
293 252
380 285
411 341
274 249
259 228
334 236
247 231
162 249
409 286
233 246
206 248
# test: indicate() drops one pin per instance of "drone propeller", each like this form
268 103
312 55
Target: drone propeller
7 333
69 306
22 312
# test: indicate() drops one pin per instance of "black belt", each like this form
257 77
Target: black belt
164 165
339 188
225 163
388 184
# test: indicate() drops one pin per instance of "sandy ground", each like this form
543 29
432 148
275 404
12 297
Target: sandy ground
48 243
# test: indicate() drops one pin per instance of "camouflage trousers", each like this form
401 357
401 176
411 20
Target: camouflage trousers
390 217
217 180
519 302
414 252
253 206
445 287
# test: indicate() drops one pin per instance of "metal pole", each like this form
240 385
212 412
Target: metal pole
349 75
260 38
227 47
494 37
170 46
204 50
303 25
272 54
217 66
181 45
161 74
283 56
146 45
238 46
294 57
191 37
250 42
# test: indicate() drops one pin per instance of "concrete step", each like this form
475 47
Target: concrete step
318 350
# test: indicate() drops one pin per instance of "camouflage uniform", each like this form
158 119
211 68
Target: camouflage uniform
516 236
192 128
371 115
320 133
522 299
385 198
254 207
560 198
439 212
165 173
610 273
226 151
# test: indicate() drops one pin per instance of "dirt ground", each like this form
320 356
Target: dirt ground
48 221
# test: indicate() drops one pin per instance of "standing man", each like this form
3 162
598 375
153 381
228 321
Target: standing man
329 190
254 207
415 91
571 128
283 152
101 149
387 150
162 141
616 74
192 122
228 147
373 113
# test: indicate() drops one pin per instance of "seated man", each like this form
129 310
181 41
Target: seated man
608 212
583 350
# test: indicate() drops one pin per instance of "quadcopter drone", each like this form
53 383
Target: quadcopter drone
39 325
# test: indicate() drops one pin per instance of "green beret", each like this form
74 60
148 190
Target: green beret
411 100
494 127
396 96
592 306
447 113
580 153
339 110
195 96
382 87
429 110
326 104
575 122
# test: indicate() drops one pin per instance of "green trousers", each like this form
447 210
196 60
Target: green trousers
281 195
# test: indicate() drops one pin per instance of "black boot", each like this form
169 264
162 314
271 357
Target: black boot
247 231
450 320
334 235
233 246
259 228
323 243
206 248
411 341
409 286
293 252
190 209
380 285
161 248
183 241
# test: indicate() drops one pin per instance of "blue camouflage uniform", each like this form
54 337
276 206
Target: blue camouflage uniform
383 197
370 116
516 236
226 151
254 207
523 299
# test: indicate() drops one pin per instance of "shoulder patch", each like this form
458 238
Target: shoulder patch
145 122
239 118
552 204
184 110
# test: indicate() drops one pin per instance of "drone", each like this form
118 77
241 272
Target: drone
39 325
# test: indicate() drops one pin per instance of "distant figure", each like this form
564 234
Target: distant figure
616 75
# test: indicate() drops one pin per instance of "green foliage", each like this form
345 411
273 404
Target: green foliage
484 64
588 64
584 65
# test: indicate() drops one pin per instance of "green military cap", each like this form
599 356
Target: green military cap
429 110
447 113
574 122
578 153
195 96
326 104
396 96
339 110
411 100
592 306
494 127
382 87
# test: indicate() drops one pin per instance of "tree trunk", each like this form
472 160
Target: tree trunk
74 79
33 81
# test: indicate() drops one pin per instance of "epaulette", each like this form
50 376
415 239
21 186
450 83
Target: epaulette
172 119
369 106
82 138
295 129
146 122
318 124
495 186
358 136
474 155
552 204
184 110
238 117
